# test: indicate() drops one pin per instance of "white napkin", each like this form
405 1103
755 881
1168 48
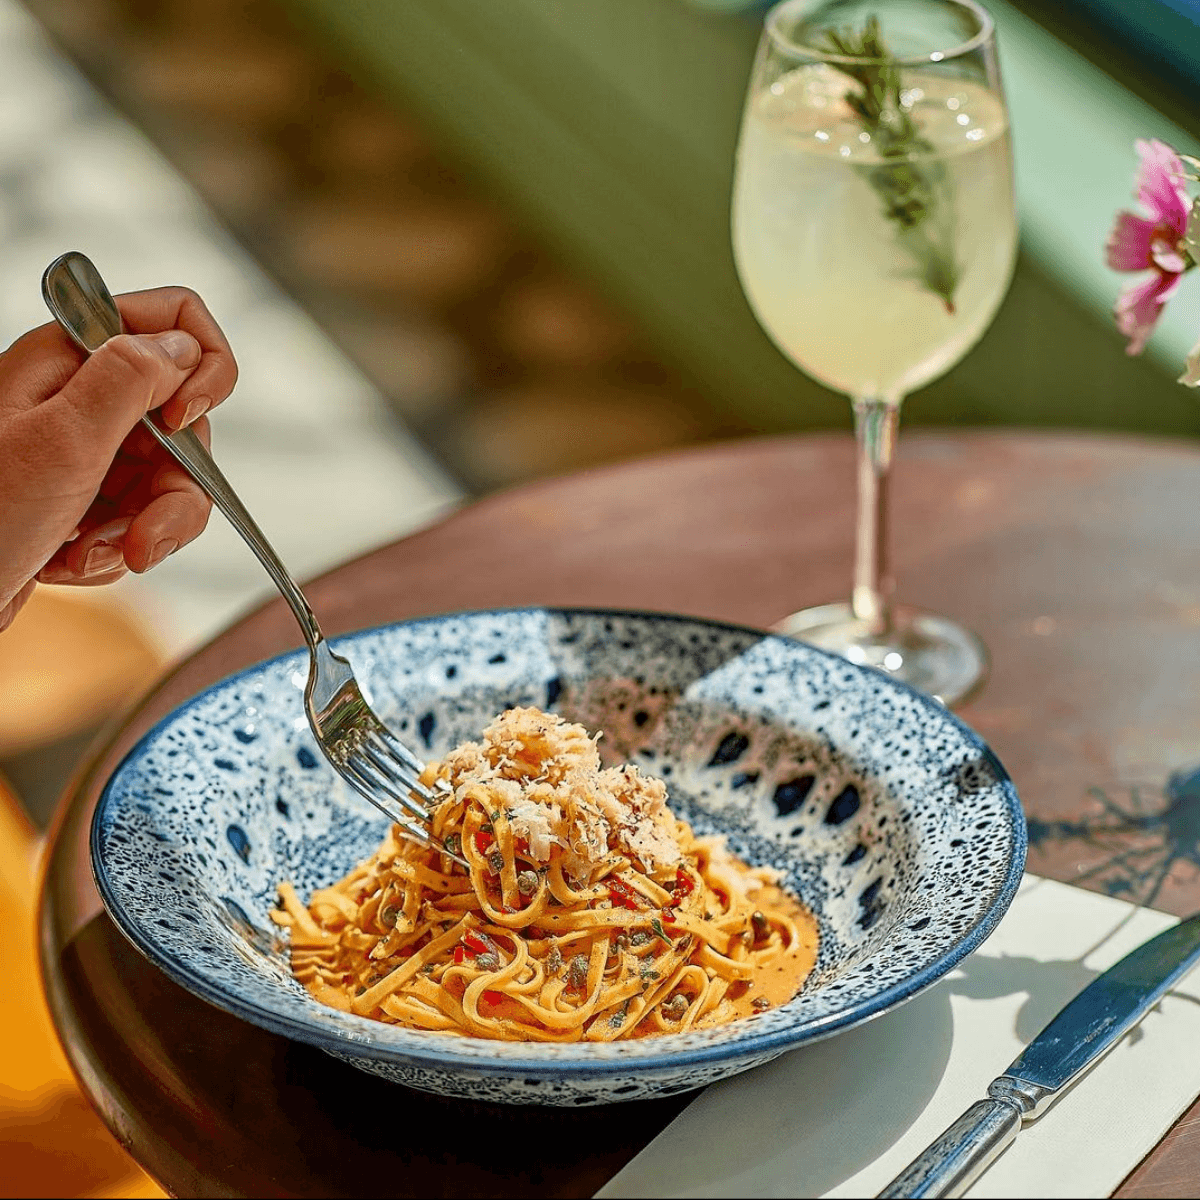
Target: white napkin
844 1116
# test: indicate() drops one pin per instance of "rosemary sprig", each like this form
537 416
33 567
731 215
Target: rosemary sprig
917 197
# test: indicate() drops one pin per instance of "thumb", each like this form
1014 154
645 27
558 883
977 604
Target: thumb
127 377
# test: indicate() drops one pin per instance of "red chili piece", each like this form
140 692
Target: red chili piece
684 886
622 894
475 943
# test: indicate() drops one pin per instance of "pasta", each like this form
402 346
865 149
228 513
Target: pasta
587 910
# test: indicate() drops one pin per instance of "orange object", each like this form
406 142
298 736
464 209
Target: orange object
52 1143
69 661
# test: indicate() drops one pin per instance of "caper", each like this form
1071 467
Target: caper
675 1007
577 972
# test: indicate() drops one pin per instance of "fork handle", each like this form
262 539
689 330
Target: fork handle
192 455
82 304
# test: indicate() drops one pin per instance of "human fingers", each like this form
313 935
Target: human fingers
162 527
181 308
177 514
98 552
56 452
138 542
41 362
94 411
68 578
156 508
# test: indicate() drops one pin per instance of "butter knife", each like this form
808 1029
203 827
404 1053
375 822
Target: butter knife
1074 1041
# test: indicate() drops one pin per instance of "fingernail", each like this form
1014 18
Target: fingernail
110 531
182 348
196 408
161 550
101 558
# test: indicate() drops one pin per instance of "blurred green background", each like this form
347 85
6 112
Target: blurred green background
610 126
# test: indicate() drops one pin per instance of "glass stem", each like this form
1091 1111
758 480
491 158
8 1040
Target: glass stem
875 425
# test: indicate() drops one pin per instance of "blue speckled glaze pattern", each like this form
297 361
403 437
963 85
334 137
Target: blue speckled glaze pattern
885 814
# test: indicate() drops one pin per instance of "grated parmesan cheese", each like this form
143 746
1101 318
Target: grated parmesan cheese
544 773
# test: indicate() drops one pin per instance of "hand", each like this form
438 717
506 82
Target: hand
86 493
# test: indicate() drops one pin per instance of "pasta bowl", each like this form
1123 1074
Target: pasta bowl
887 816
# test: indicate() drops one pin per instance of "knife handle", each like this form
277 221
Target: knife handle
956 1159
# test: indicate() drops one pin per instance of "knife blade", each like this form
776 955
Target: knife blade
1074 1041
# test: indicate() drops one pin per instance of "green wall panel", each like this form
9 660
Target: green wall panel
608 126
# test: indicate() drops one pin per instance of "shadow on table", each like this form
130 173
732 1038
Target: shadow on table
1048 986
844 1100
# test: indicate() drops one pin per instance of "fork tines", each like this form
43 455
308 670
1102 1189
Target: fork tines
388 774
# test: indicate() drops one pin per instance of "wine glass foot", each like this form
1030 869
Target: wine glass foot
931 653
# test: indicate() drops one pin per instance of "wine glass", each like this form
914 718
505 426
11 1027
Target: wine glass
875 235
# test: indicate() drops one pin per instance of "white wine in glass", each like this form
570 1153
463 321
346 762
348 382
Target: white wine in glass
874 232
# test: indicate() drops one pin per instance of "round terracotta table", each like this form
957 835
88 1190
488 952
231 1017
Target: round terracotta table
1076 558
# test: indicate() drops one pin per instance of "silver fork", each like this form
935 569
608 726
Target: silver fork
376 763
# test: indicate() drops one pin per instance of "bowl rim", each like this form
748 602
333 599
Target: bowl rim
664 1053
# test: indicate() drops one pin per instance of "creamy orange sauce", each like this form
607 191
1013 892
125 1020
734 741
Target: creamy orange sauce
777 982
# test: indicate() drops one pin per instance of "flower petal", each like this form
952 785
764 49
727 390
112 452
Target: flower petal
1167 256
1140 306
1160 184
1128 247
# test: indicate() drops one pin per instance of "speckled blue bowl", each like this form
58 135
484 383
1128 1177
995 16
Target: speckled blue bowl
887 815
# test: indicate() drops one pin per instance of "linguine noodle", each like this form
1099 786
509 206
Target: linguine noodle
589 912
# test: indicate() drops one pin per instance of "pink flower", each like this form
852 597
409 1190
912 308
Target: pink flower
1151 243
